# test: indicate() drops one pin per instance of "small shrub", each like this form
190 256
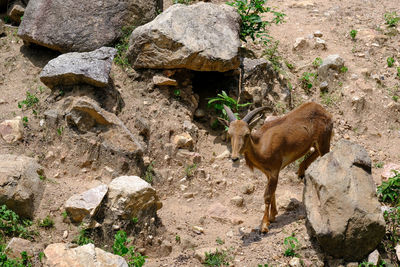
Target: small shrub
29 102
135 259
219 241
12 225
379 165
178 239
253 26
122 46
25 121
317 62
389 191
344 69
307 80
217 258
64 214
177 93
149 174
46 222
292 244
353 34
391 19
82 238
271 54
390 62
135 220
60 130
395 98
189 170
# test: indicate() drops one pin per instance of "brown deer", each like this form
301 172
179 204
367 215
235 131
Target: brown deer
278 143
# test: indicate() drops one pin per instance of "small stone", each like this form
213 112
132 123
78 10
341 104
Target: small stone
164 81
318 34
295 262
65 234
16 12
354 77
183 140
248 189
300 43
229 234
374 258
199 113
183 187
320 44
198 229
12 130
237 201
2 101
324 86
188 195
223 155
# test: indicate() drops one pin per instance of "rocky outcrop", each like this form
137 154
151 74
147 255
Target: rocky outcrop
132 197
85 204
60 254
18 245
12 130
200 37
76 26
343 212
79 68
20 185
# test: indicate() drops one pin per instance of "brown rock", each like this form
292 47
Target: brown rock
16 11
164 81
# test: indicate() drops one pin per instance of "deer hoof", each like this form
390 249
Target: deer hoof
264 228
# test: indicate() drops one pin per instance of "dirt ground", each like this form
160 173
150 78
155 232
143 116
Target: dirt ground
204 199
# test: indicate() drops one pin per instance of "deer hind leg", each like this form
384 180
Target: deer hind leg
270 202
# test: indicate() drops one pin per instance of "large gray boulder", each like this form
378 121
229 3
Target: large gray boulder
79 68
132 197
343 212
61 254
20 185
79 26
85 204
200 37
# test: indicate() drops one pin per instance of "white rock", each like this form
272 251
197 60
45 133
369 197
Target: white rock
237 201
374 257
295 262
12 130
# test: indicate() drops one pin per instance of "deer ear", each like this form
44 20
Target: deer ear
223 121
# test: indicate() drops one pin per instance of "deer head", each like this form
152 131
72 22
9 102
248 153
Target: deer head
239 130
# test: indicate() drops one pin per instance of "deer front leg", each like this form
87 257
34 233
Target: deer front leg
269 199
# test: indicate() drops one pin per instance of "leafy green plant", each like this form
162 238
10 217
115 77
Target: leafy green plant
149 174
135 259
391 19
271 54
178 239
185 2
219 241
189 169
379 165
60 130
82 238
344 69
390 61
395 98
317 62
389 191
292 244
222 99
353 34
307 80
122 46
135 220
41 255
217 258
177 93
253 26
64 214
47 222
29 102
25 121
12 225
